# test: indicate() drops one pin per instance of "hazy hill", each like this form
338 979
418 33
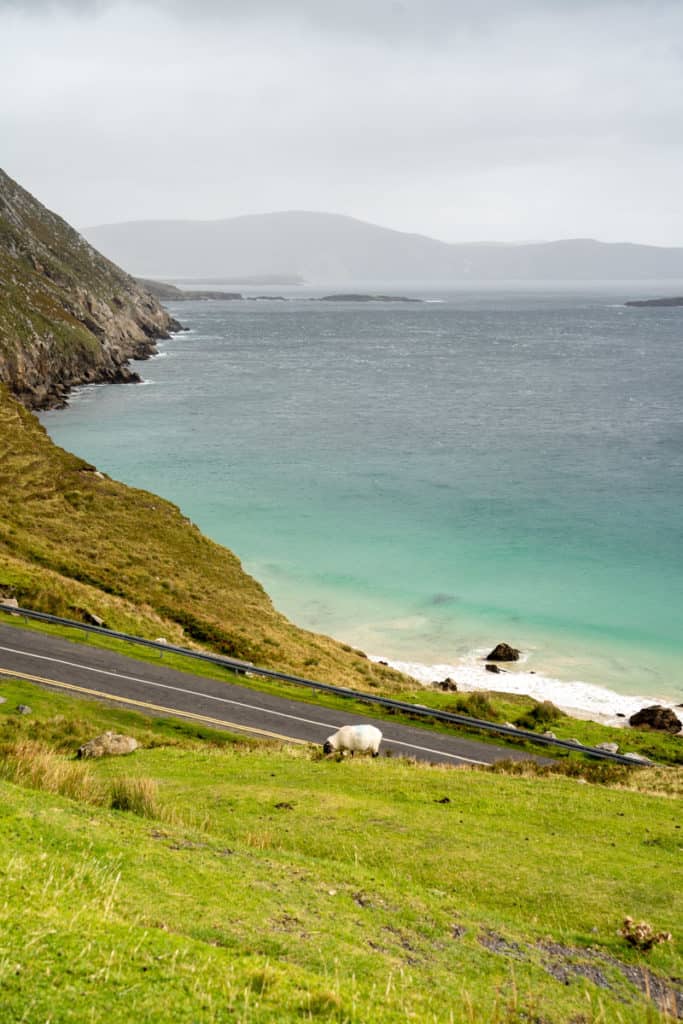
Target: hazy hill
325 247
67 315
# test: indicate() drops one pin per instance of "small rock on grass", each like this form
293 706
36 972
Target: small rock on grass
109 743
24 709
610 748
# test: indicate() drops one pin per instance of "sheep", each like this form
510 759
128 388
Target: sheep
354 738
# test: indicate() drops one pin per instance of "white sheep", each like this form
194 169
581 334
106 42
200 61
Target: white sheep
361 738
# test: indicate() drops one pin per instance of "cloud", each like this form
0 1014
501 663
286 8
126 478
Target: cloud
537 119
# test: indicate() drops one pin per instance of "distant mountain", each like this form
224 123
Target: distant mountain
325 247
67 315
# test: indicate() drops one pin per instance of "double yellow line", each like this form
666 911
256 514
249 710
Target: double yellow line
150 707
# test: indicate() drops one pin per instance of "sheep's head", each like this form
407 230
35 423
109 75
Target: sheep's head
327 747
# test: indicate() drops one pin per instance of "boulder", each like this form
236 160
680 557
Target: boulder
108 744
638 758
609 748
493 668
657 717
446 684
92 619
9 602
549 735
503 652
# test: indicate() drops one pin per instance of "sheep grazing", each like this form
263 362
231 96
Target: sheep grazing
355 738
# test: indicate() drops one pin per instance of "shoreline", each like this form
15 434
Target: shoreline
578 699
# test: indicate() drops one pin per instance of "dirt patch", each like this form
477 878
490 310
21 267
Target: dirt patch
563 962
504 947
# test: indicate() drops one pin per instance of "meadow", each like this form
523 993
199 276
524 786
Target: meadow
211 878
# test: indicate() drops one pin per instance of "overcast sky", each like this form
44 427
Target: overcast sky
462 119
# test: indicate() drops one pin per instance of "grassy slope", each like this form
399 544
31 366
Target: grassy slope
362 897
71 540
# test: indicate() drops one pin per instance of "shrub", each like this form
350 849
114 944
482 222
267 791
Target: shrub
540 714
476 705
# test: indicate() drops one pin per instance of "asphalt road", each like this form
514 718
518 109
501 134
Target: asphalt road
88 671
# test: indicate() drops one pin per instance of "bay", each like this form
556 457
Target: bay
426 480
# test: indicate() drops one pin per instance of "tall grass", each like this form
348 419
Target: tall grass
138 795
34 765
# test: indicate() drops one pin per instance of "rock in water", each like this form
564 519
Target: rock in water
108 744
657 717
503 652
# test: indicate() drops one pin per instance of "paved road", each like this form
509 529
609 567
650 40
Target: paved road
154 689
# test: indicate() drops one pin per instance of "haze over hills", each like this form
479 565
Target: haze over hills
325 247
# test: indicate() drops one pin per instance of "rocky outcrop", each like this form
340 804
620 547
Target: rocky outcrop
676 300
108 744
169 293
657 717
503 652
67 315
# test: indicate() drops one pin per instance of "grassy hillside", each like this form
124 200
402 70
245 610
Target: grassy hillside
73 542
258 883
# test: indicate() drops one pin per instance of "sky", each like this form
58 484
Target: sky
466 120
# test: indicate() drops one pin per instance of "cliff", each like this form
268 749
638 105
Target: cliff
67 315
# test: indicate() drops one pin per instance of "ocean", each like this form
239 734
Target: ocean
426 480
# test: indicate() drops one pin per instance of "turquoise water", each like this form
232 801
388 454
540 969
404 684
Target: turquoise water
426 480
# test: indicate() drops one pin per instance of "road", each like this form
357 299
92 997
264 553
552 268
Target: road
88 671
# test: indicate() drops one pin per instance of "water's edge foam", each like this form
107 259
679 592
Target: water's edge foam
578 699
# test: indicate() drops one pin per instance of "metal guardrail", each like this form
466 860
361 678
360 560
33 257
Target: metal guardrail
244 667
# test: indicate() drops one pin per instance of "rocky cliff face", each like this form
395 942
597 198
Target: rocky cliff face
67 315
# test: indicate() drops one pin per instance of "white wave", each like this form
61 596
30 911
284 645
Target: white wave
579 699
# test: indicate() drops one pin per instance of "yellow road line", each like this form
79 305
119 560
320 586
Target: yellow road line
149 707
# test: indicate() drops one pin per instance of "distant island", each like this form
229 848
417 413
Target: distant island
677 300
166 292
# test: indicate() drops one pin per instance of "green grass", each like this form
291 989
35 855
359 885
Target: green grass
271 885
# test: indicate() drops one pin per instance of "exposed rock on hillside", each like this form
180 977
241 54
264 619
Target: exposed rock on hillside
657 717
110 744
67 315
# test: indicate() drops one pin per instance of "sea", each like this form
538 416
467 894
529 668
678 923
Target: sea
424 480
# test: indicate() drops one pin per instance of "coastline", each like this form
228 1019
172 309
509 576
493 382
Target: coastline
581 700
